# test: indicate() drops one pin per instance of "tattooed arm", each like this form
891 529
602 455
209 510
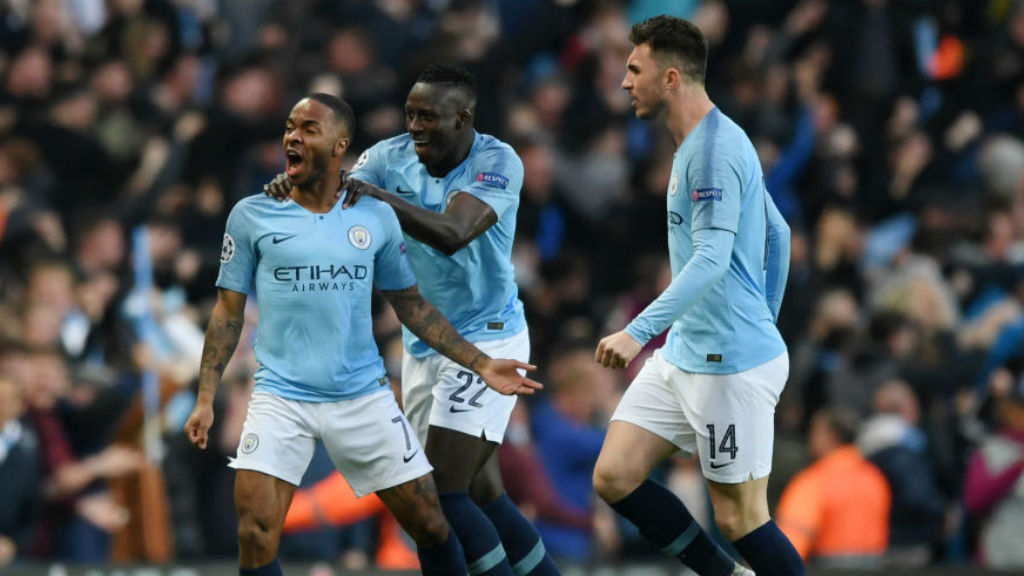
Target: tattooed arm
221 339
424 320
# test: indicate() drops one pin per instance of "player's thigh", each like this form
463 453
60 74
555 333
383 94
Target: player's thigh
457 457
415 505
464 403
733 416
652 405
278 437
487 486
370 442
740 508
648 426
261 499
418 378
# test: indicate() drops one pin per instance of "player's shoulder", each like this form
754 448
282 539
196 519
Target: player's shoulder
371 208
487 144
400 145
728 137
256 204
722 142
393 152
490 151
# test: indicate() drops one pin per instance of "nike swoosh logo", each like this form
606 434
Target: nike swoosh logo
455 410
406 459
398 190
717 466
279 239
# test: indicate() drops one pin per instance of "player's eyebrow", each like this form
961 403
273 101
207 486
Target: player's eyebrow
632 67
304 123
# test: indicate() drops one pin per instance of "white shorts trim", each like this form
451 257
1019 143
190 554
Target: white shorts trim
438 392
368 439
687 408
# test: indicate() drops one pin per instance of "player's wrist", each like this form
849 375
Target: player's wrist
480 363
205 395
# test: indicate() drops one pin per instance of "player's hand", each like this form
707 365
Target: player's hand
617 350
502 375
356 189
280 188
197 427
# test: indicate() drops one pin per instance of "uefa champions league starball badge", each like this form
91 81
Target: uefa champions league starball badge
673 184
227 249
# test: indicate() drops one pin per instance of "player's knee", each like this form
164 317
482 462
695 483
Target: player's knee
729 523
612 483
429 528
256 532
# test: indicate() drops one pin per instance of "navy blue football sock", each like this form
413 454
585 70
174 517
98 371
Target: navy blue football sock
445 559
484 553
271 569
664 520
769 552
523 545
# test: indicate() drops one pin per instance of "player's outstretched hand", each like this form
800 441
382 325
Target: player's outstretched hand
617 350
197 427
503 375
280 188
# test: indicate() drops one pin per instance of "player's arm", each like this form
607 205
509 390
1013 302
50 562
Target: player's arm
426 322
222 335
712 251
465 218
777 258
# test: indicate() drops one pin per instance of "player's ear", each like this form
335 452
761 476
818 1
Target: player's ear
341 145
672 78
463 118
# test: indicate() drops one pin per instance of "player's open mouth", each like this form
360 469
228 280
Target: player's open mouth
420 145
293 162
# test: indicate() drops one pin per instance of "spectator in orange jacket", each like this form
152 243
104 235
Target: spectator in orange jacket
837 508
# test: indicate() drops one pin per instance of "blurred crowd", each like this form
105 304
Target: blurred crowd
891 133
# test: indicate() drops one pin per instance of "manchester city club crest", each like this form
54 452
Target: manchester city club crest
673 184
227 249
250 443
359 236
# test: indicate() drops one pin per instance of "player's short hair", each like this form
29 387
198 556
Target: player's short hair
453 74
342 111
674 41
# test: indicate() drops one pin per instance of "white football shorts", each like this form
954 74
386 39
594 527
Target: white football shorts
439 392
368 439
729 419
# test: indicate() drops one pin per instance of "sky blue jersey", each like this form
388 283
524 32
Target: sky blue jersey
729 250
313 277
474 288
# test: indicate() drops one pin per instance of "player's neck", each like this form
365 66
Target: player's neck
445 165
320 196
687 112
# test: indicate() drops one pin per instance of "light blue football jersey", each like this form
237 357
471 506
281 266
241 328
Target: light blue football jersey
474 288
716 182
314 277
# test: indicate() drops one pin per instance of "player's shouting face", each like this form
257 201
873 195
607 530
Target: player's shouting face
312 136
436 115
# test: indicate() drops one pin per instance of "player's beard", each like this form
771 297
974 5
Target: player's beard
652 112
315 172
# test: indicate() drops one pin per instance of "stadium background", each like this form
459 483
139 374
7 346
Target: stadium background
891 136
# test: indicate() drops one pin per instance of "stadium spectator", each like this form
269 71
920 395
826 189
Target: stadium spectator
837 510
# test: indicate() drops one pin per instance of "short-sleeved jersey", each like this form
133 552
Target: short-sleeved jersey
474 288
716 182
313 276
